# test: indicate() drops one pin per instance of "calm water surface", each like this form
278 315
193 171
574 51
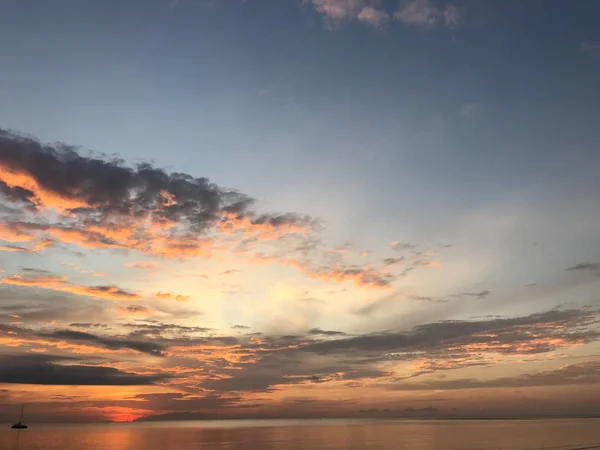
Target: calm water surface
556 434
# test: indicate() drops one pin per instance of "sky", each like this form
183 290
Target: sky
299 208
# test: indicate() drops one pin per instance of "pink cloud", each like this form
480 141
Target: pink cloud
373 16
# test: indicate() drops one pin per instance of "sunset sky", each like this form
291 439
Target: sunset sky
299 208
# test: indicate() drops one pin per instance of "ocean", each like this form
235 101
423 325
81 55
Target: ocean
548 434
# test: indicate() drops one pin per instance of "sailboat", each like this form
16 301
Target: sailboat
20 425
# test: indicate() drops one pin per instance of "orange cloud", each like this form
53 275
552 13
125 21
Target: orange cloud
60 283
263 227
170 296
133 310
79 349
143 265
11 233
36 248
181 248
151 238
367 278
43 198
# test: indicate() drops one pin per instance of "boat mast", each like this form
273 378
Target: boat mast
21 418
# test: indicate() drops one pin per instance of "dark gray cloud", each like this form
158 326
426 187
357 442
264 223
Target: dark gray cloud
107 185
585 266
151 329
100 190
46 369
320 332
283 220
427 299
73 336
581 373
17 194
34 271
47 306
438 346
392 261
230 271
133 309
570 325
478 295
112 343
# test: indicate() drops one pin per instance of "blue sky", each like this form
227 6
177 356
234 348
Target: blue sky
232 87
467 129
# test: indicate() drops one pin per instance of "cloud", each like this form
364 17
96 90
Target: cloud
267 227
112 343
268 363
536 333
428 299
420 13
478 295
339 9
318 331
60 283
89 325
251 363
133 310
99 202
13 248
39 246
426 14
585 266
230 271
47 370
342 10
592 48
154 329
363 277
373 16
143 265
170 296
582 373
22 335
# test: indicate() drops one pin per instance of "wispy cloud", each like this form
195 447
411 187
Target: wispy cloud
593 48
14 336
585 266
427 14
133 310
60 283
339 9
171 296
478 295
143 265
572 374
372 16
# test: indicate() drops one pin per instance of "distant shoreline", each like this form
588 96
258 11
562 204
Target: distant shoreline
324 419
